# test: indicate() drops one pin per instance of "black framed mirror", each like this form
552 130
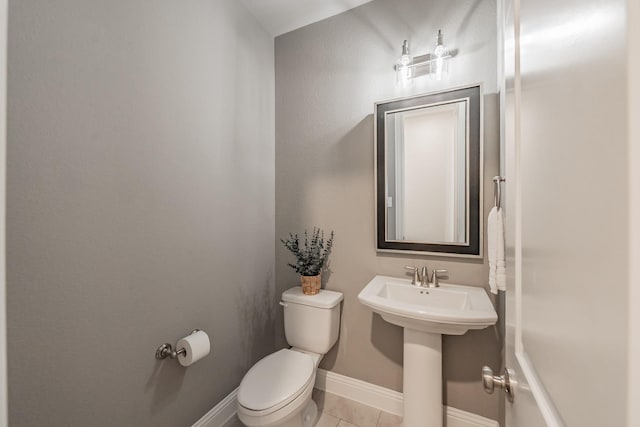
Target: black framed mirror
428 173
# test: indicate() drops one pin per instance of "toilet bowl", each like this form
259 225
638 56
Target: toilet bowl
276 391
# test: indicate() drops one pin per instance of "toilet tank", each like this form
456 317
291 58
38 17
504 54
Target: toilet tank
311 322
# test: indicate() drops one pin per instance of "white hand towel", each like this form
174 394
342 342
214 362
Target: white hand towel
495 246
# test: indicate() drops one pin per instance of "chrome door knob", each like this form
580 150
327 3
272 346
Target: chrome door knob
505 382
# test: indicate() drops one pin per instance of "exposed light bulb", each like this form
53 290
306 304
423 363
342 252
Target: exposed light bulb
404 64
404 73
405 59
440 50
439 53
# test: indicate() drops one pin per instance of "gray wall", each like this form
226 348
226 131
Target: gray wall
140 206
328 75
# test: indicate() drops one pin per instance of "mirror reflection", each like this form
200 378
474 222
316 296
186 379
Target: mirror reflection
426 173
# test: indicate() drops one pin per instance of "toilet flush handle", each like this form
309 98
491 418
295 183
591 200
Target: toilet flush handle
284 304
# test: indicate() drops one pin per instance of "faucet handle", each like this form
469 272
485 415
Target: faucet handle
435 279
416 274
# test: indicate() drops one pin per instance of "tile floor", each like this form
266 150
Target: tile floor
336 411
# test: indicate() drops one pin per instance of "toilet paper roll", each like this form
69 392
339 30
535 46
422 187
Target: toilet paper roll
197 346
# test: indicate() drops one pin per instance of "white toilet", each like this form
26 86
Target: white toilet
277 390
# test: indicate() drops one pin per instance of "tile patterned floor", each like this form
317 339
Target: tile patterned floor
337 411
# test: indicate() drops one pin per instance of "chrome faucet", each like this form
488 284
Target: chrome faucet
421 276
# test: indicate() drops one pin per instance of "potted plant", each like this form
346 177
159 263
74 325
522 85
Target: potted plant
310 258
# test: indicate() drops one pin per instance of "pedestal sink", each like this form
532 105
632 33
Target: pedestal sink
426 314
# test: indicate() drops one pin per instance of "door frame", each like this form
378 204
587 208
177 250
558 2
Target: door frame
633 112
523 366
3 167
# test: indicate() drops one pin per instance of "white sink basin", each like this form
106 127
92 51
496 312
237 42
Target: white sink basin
449 309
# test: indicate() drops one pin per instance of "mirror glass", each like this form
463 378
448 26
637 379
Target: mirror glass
428 161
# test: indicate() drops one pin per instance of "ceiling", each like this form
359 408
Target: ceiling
281 16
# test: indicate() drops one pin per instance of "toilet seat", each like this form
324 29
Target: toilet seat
275 381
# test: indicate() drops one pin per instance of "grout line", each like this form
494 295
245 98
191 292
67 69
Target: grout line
380 411
379 415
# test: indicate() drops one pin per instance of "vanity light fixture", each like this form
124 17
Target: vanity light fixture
435 64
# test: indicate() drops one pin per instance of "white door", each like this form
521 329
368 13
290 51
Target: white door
564 162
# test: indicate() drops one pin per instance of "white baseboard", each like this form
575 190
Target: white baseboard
350 388
360 391
389 400
220 414
460 418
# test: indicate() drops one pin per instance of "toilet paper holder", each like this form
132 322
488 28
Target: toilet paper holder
166 350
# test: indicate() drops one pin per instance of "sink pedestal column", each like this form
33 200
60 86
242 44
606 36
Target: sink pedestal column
422 379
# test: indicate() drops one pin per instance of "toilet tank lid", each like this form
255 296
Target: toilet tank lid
324 299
